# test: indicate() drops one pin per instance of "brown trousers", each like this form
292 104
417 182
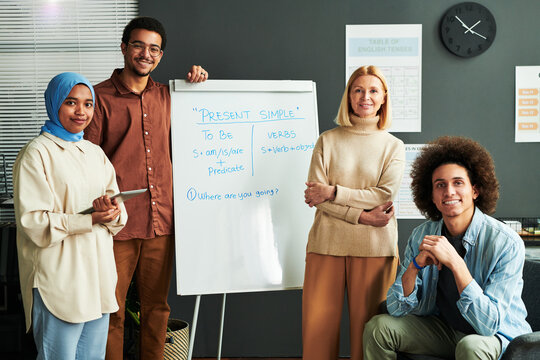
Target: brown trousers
151 261
367 280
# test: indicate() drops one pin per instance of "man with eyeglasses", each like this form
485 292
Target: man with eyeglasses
132 121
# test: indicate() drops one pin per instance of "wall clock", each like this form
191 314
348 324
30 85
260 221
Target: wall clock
468 29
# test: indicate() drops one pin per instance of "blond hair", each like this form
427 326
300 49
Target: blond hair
385 119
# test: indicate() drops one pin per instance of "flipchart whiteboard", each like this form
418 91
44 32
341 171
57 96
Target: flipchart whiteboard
241 153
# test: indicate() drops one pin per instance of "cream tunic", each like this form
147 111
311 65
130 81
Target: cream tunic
366 164
69 260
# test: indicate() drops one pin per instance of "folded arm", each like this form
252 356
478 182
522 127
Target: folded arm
321 194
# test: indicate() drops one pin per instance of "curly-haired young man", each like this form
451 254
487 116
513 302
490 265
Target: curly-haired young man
459 289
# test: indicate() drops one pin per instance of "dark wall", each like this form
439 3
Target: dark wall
305 40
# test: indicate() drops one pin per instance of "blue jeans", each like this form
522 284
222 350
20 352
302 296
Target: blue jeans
56 339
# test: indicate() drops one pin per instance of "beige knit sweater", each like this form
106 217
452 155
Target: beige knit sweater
366 164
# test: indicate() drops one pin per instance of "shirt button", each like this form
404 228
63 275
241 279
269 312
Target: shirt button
151 186
145 115
149 169
153 203
146 133
147 150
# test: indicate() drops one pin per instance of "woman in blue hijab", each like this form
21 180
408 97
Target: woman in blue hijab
66 261
57 91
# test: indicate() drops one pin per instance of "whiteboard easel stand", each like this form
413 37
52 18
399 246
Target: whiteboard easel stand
269 102
194 326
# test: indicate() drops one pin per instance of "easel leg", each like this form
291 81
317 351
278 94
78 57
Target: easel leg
194 326
221 326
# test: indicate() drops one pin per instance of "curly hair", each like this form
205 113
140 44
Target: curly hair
147 23
464 152
385 118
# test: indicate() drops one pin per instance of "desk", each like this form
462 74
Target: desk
532 253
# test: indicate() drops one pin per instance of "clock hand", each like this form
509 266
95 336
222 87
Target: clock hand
470 29
462 23
475 33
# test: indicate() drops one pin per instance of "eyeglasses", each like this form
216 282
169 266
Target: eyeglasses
154 50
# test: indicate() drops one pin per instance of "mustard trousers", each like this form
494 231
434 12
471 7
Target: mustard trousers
367 280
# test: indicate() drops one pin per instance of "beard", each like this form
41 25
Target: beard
137 72
140 73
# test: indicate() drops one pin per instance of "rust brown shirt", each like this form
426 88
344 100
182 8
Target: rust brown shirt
134 131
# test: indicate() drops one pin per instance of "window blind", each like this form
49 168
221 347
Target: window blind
42 38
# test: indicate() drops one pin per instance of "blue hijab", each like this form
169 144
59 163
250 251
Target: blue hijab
57 91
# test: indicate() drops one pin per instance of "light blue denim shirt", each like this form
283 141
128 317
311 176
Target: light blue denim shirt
491 302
